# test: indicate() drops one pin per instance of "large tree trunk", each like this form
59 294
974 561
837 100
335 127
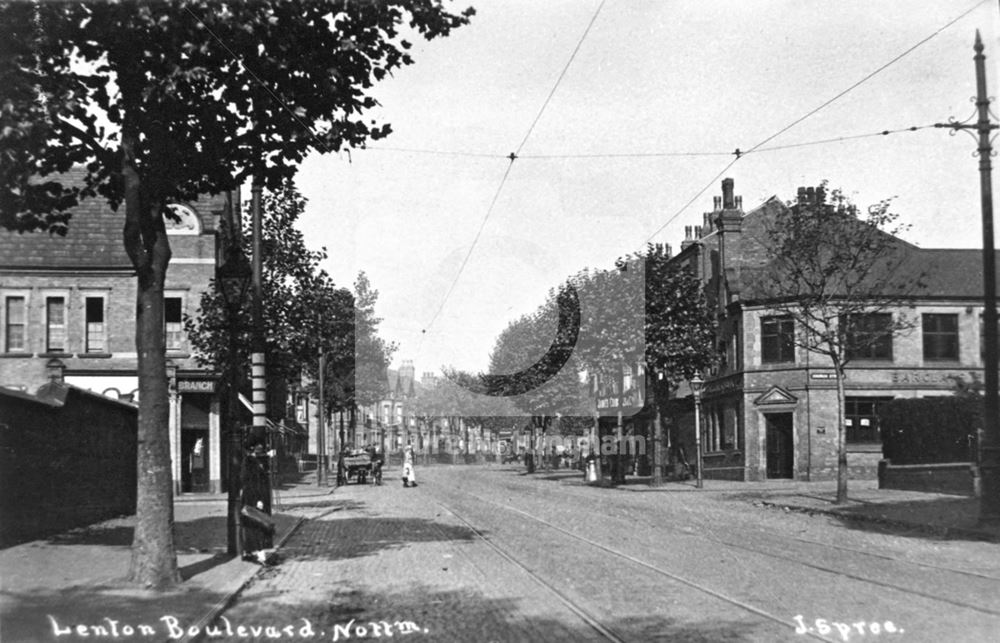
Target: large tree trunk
841 437
154 558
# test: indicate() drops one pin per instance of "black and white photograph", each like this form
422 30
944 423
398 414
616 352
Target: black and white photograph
490 321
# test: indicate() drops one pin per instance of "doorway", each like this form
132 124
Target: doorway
194 463
780 454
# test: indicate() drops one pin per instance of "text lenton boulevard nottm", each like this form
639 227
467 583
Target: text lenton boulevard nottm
171 628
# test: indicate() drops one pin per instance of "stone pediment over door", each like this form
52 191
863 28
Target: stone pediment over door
776 396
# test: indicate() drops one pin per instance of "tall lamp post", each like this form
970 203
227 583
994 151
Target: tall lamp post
696 384
321 479
234 279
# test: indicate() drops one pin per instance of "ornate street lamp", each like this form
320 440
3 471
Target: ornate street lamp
233 278
697 384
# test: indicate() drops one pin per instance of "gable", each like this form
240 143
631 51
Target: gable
774 396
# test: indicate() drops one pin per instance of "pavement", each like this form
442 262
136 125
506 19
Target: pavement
51 587
937 514
76 578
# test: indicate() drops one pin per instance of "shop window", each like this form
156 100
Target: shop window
940 336
777 339
861 419
96 336
55 324
868 336
15 325
173 323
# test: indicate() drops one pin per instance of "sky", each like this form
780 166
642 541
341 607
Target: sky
629 143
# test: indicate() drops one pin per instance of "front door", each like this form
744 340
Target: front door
194 469
780 459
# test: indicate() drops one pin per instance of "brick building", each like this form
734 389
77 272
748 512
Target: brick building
770 408
67 313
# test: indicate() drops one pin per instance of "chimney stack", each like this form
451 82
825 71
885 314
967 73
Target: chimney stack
727 194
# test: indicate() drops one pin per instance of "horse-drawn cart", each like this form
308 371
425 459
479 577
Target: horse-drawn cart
361 467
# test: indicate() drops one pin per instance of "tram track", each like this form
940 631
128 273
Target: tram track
764 552
816 543
591 620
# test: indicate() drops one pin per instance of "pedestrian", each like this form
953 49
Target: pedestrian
408 478
258 527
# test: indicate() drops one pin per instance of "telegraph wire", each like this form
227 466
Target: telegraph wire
475 240
513 157
626 155
694 198
412 150
835 140
569 62
866 78
740 154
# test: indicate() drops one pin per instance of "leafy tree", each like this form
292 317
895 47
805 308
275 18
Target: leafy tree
166 101
304 312
838 276
372 353
649 310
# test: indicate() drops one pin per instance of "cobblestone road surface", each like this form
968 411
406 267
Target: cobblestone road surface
487 554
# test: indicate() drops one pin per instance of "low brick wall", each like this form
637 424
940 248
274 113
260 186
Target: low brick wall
951 477
67 459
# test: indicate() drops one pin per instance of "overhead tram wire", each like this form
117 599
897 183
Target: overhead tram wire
866 78
513 157
756 148
628 155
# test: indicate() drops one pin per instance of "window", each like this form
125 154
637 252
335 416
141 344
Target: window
173 323
15 324
940 336
94 340
861 419
777 335
55 324
868 336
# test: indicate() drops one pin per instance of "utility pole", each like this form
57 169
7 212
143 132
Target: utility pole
321 431
989 446
257 365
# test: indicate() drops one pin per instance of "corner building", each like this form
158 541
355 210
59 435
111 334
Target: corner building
769 410
67 313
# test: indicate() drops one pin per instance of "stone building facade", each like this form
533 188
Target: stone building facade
67 313
769 410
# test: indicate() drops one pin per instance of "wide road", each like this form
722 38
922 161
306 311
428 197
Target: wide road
490 554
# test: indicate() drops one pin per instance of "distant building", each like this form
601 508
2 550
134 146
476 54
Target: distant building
67 313
770 409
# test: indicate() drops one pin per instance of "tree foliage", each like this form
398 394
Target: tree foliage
168 101
372 354
304 313
830 269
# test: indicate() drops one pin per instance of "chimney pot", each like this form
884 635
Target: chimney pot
716 202
727 194
697 231
739 202
802 196
811 196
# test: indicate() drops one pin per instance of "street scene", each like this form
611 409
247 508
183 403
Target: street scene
488 553
438 320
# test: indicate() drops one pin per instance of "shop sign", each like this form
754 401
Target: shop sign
931 377
620 390
196 386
